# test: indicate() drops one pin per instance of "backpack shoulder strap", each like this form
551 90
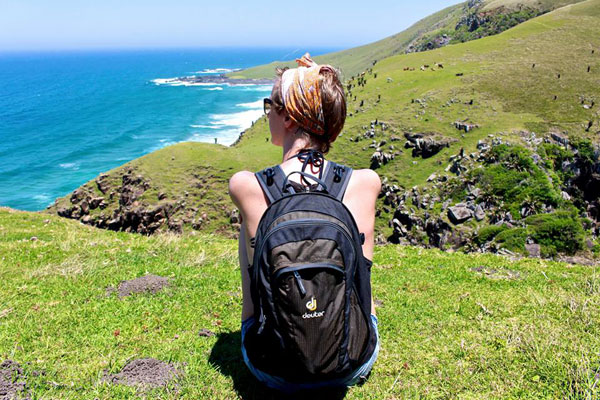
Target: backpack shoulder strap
337 177
271 181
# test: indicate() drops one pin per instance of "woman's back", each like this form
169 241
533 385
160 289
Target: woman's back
306 111
361 194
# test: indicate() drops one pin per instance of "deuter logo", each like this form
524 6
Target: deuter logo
316 314
312 306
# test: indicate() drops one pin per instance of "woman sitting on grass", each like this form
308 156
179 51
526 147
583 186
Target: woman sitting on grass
306 113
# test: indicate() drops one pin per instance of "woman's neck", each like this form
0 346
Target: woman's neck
293 147
293 144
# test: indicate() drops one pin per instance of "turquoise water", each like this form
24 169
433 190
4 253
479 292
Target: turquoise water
66 117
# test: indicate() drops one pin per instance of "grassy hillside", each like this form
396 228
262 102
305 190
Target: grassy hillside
537 80
358 59
492 83
515 4
451 325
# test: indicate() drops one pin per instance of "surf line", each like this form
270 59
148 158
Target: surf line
211 80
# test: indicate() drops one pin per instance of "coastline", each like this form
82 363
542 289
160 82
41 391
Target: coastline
210 80
242 121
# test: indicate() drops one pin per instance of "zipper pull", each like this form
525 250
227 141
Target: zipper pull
299 282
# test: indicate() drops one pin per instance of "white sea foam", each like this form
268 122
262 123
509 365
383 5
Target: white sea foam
167 81
72 165
44 197
242 120
205 126
178 82
258 105
227 127
217 70
254 87
212 85
200 84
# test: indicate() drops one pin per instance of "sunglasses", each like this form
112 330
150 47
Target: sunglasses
267 105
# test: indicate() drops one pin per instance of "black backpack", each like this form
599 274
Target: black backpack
310 282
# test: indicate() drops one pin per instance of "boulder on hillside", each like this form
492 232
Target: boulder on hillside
465 126
560 138
425 145
479 214
438 232
380 158
459 214
533 249
102 183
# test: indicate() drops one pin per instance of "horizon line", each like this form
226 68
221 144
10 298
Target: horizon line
175 47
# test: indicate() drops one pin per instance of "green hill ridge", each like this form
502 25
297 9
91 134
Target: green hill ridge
533 86
450 25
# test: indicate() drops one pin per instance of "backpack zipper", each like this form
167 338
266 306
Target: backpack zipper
307 266
299 282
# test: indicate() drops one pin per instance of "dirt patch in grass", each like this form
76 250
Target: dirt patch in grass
579 260
206 333
145 284
12 380
145 372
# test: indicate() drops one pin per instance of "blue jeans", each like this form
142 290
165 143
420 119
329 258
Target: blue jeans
279 383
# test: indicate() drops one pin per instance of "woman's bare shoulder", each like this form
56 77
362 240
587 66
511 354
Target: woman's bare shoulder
367 180
243 184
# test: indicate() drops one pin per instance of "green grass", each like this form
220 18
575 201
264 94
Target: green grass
452 325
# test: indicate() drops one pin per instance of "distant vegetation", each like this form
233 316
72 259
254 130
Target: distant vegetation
475 24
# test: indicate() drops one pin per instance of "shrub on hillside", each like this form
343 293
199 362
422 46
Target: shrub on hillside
513 157
513 181
554 155
475 26
513 239
585 150
556 232
488 233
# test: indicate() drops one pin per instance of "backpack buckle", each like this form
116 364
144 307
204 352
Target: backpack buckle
269 174
338 172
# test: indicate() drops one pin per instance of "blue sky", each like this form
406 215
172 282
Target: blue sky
81 24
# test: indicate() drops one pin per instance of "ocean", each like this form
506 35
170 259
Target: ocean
65 117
